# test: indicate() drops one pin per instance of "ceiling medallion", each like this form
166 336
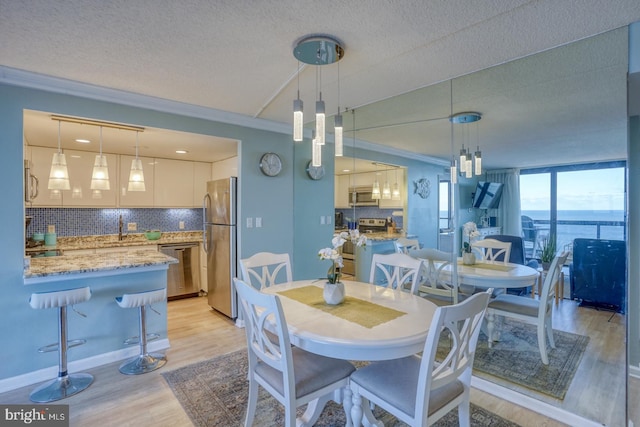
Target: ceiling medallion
467 117
318 50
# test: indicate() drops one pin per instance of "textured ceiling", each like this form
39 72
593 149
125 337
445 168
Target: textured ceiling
236 56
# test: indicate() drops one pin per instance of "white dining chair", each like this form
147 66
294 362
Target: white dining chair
431 285
416 389
395 271
404 245
536 312
492 250
264 269
294 377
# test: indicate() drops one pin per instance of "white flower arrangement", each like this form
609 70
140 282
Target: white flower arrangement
334 255
470 231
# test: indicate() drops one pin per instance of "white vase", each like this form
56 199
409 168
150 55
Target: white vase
333 293
468 258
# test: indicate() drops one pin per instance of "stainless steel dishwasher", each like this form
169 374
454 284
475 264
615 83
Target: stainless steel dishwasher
183 278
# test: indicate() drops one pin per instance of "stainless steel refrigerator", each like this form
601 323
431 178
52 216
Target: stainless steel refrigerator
219 228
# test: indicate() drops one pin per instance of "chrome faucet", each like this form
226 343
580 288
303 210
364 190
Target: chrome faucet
120 227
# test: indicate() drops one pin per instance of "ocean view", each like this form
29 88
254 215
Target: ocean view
568 232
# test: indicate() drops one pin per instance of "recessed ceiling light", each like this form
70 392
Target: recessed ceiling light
83 141
181 151
346 170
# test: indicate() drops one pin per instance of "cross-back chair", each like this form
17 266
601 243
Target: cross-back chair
264 269
432 285
396 271
492 250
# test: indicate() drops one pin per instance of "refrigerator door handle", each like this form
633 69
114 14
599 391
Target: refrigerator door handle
206 204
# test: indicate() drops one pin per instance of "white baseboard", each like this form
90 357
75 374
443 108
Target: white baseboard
51 372
535 405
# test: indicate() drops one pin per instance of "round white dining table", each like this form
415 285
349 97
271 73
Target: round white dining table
490 274
329 335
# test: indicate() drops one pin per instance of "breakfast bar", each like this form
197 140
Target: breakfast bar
106 325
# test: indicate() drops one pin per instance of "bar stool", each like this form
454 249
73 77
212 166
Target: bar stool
65 385
144 362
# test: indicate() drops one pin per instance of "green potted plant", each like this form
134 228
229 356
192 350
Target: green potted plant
548 251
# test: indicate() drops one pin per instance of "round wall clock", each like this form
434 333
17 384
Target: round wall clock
270 164
315 172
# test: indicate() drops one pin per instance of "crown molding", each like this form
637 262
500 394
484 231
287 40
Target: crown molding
27 79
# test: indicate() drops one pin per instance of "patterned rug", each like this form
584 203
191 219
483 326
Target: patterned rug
214 393
516 359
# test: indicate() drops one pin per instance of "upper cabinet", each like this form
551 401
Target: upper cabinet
201 175
136 199
341 193
168 183
173 187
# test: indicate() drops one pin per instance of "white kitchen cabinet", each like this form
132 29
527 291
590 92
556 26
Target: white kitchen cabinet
393 204
341 191
489 231
173 186
80 166
201 175
143 199
40 167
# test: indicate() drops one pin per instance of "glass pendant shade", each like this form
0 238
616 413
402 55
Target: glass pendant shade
59 175
297 119
468 167
338 135
55 194
386 191
395 192
375 191
454 172
100 176
316 152
96 194
320 125
478 159
463 159
136 176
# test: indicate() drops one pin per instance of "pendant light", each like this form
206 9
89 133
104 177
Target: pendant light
337 124
136 175
386 189
316 151
315 50
96 194
395 193
76 193
478 154
298 116
100 175
468 161
375 190
59 175
463 158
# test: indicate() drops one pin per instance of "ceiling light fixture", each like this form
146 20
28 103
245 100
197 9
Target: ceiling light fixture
395 193
298 115
386 189
315 50
100 175
59 175
316 151
467 159
337 124
375 190
136 175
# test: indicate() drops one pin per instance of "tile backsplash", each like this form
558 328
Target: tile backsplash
370 212
91 221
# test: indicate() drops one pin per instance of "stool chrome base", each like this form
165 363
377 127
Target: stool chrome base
61 388
143 363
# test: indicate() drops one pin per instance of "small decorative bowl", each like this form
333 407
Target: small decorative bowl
152 234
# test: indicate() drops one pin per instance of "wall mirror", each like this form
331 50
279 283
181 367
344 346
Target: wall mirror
528 104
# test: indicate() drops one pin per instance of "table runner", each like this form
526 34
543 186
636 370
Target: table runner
354 310
498 267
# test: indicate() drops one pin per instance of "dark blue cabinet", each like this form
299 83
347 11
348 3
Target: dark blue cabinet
598 273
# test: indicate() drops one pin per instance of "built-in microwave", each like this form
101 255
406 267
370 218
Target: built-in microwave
361 196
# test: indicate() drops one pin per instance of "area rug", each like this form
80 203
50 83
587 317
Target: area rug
214 393
516 358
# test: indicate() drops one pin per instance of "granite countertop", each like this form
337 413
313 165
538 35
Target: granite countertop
62 267
384 236
111 241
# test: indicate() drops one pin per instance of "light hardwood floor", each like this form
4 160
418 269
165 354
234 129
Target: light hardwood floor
196 333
